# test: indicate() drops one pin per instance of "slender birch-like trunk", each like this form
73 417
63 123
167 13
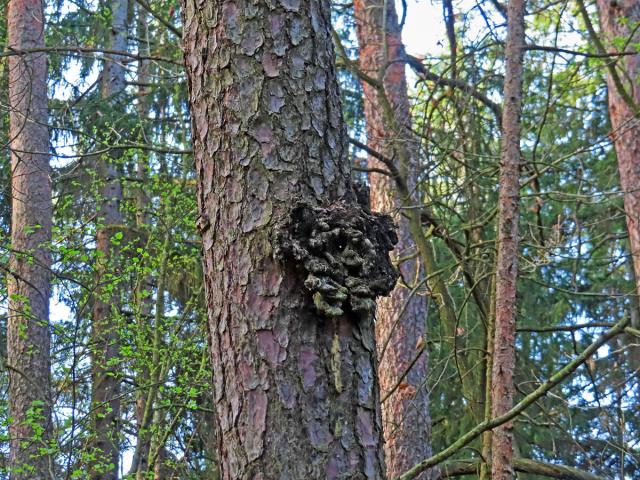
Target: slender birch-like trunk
106 405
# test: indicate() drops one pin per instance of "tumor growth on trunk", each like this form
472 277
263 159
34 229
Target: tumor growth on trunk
344 251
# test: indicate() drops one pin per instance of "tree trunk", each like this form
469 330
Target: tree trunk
292 263
28 283
405 412
617 19
105 336
504 357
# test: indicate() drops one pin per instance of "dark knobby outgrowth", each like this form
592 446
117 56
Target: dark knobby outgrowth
344 251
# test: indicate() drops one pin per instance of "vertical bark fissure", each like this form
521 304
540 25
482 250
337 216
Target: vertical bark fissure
405 412
504 355
28 282
267 132
106 308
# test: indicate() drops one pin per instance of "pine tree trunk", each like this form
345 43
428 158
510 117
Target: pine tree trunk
504 355
28 282
295 388
105 335
405 412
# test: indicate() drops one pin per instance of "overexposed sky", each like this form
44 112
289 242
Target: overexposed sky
424 31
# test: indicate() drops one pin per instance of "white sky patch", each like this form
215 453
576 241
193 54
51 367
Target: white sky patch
424 30
59 310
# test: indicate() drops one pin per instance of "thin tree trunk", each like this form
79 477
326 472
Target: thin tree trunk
28 283
401 317
157 371
504 357
485 467
105 335
292 340
140 461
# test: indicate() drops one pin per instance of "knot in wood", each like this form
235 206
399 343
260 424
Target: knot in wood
343 250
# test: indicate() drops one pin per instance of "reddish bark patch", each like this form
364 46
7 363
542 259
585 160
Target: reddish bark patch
306 364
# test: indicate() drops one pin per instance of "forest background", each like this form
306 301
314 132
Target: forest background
124 389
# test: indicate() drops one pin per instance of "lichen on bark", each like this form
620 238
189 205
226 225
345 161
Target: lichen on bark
343 249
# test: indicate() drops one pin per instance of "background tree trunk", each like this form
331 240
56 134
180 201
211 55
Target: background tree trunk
144 295
405 413
105 335
616 20
295 389
504 355
28 282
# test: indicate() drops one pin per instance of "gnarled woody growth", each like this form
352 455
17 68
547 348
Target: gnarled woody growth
344 251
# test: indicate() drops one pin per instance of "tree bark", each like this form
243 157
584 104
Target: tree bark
295 389
28 283
504 356
105 335
401 317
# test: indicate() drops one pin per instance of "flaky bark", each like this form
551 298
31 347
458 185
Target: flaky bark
295 390
105 336
28 282
504 356
401 317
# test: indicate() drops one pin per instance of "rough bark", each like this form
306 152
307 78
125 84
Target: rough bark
618 20
105 336
401 317
504 356
295 389
28 282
